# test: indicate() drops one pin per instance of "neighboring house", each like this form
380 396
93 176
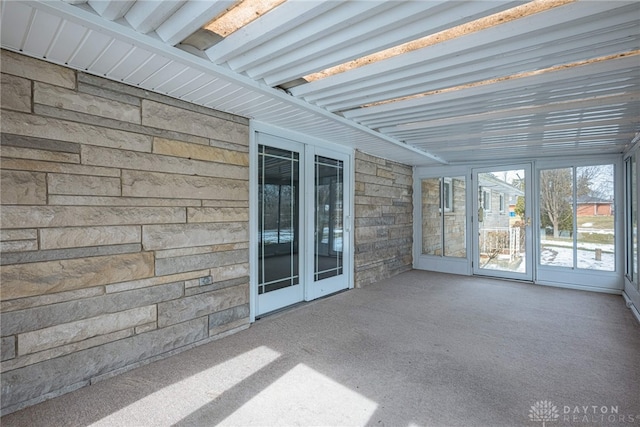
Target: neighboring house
594 206
497 199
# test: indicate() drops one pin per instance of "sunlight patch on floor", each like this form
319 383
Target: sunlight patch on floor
171 404
304 396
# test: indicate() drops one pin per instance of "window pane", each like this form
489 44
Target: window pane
595 217
431 219
634 219
501 237
447 195
455 242
278 210
556 217
328 218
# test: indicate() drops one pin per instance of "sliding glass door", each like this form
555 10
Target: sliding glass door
502 224
577 225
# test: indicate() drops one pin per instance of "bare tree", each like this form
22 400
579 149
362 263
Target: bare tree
556 191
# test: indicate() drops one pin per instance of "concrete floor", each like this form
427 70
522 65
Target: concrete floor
418 349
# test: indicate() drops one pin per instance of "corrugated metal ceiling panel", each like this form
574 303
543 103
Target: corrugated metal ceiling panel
540 42
106 54
580 107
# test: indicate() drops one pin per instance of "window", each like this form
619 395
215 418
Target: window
486 200
501 203
577 218
632 219
447 195
444 216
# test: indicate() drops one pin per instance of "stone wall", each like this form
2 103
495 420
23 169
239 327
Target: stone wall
124 228
383 219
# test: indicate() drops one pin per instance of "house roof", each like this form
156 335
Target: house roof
589 200
485 80
494 183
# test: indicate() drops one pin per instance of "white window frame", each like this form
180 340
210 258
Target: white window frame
447 196
486 197
586 279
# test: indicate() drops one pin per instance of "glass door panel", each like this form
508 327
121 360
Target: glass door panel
279 214
431 217
455 216
444 216
329 178
595 220
329 235
556 217
502 225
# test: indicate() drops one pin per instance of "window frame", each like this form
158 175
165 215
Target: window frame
447 196
486 197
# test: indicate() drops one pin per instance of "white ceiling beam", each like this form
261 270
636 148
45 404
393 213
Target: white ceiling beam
563 76
111 9
479 70
533 140
351 130
280 20
517 35
596 101
145 16
535 94
466 134
403 23
297 42
194 14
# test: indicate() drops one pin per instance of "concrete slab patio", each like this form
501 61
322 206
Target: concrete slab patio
419 349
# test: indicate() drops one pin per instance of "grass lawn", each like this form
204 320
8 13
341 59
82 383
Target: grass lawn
597 224
600 222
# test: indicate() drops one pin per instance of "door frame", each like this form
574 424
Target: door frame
333 284
270 301
311 147
529 275
586 279
443 264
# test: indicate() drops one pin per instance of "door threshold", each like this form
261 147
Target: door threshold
509 279
299 305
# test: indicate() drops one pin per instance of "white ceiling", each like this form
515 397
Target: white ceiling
572 108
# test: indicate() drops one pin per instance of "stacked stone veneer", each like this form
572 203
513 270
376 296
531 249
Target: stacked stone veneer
383 218
115 203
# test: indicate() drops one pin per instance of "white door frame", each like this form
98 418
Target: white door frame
528 275
312 146
273 300
317 289
586 279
